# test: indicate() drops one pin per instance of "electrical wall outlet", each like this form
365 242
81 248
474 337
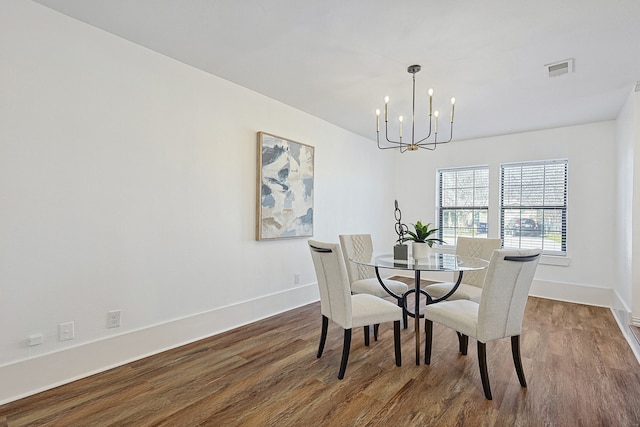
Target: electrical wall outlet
296 278
66 331
35 339
113 318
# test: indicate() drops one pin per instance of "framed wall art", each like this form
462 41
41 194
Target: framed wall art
284 188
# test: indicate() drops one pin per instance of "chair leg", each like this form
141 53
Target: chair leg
366 335
428 330
463 341
517 361
396 340
405 319
484 374
375 331
345 353
323 335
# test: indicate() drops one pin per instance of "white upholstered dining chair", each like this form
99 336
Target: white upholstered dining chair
363 278
471 286
498 314
347 310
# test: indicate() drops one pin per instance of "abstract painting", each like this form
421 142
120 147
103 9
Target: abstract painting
285 188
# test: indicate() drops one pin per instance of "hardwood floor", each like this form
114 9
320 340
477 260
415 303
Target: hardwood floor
580 372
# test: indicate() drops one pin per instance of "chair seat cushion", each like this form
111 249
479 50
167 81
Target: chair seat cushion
460 315
368 310
372 287
464 291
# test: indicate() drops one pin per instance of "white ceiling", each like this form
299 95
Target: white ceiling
337 59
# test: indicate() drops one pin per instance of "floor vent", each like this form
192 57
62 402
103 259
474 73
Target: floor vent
559 68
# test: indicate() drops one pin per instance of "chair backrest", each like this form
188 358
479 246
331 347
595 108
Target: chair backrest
357 246
333 283
505 292
477 248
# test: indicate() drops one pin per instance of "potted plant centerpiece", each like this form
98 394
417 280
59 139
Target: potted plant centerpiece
422 239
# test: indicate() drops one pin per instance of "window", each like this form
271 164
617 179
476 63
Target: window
463 203
533 206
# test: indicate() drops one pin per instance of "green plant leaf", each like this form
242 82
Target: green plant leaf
422 234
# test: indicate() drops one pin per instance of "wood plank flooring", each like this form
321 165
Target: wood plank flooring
580 372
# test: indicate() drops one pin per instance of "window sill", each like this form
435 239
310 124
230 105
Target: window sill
559 261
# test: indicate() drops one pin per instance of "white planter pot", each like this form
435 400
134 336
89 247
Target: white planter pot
421 250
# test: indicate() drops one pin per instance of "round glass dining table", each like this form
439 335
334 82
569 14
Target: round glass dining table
435 262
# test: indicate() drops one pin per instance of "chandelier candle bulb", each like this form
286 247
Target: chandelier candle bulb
386 109
453 106
436 114
378 120
400 119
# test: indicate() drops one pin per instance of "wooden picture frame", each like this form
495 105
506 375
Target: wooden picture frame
285 185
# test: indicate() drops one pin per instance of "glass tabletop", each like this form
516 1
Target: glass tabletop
436 262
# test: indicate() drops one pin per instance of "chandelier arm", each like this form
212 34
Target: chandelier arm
396 145
386 135
450 136
385 148
436 142
428 146
424 139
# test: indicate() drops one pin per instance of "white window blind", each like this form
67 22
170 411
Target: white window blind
463 203
533 205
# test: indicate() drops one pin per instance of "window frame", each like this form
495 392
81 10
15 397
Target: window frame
476 209
545 210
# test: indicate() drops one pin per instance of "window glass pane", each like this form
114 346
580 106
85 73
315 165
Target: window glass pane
532 195
511 196
448 180
465 178
481 177
534 205
463 198
448 197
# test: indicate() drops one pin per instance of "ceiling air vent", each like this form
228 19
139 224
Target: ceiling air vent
637 86
559 68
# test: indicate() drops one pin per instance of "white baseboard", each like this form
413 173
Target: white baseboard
623 318
579 294
31 376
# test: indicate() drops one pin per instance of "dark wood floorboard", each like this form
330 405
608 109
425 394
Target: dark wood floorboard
580 372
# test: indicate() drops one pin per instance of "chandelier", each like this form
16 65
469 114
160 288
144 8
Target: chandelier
413 145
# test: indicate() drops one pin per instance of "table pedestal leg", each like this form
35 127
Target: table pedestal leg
417 315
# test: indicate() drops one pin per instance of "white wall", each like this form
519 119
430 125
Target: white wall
629 140
592 171
127 181
635 225
624 227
